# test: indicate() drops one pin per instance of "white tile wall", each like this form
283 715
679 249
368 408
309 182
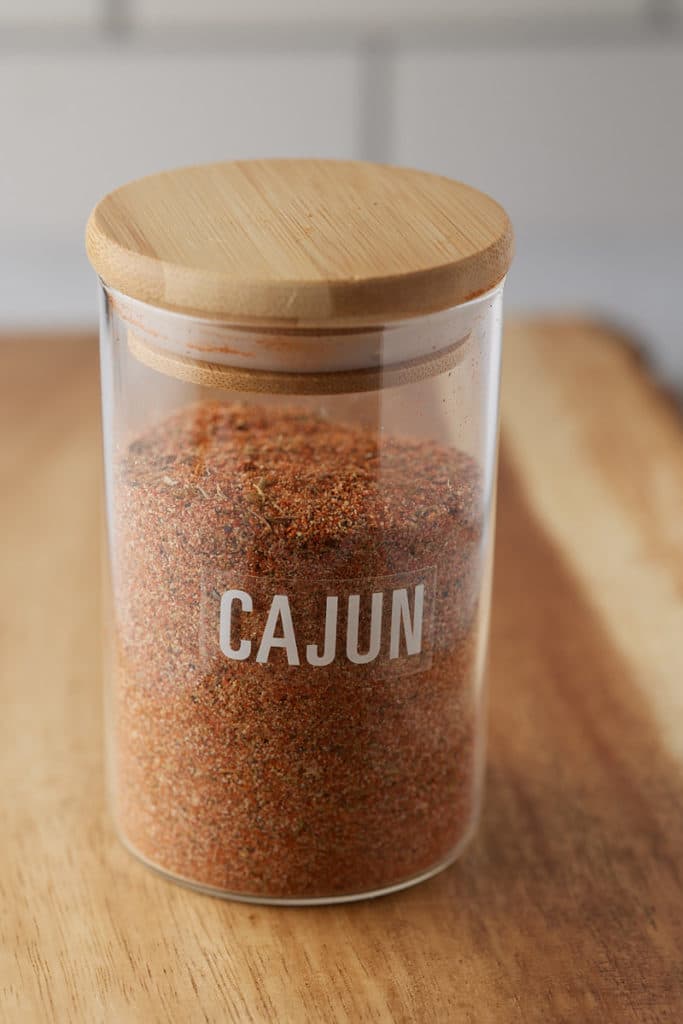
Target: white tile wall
76 127
628 279
585 150
564 139
50 12
578 133
389 12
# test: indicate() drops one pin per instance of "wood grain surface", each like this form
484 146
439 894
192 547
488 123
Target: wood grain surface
567 908
283 241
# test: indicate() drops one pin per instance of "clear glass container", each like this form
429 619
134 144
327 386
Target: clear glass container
300 528
300 363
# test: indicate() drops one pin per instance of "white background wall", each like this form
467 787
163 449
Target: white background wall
568 111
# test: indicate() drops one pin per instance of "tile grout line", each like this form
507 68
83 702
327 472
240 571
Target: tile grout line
116 18
659 22
375 117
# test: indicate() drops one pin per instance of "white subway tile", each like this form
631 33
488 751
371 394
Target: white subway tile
78 126
564 139
388 12
50 13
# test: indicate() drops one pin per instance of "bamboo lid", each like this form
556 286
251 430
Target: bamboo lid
286 242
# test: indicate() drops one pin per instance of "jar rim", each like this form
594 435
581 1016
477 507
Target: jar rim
228 357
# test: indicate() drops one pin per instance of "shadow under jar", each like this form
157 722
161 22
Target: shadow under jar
300 364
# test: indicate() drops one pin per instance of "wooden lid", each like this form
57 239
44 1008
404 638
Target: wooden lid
299 241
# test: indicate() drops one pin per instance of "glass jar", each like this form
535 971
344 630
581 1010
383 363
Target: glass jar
300 500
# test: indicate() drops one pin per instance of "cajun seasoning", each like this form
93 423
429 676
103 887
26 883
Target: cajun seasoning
299 498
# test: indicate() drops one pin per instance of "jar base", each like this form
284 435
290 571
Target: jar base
305 901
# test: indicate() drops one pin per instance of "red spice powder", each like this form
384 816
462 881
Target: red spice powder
278 780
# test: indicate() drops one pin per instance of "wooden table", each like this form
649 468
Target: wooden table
568 907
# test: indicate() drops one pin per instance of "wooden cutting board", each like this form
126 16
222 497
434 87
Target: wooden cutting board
569 905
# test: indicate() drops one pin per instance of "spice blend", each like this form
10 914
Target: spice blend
280 730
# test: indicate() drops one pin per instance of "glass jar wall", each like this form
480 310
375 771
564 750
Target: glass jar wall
300 563
300 364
